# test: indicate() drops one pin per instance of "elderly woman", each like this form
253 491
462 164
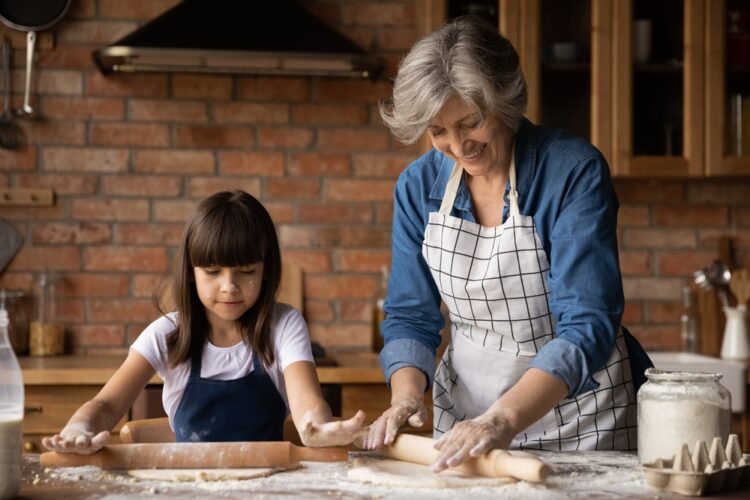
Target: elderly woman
513 226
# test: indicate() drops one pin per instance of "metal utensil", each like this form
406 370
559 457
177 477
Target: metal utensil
11 136
26 110
719 275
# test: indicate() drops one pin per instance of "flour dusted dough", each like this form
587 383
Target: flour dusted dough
387 472
188 475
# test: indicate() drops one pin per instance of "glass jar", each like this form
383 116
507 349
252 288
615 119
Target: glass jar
46 336
16 303
676 408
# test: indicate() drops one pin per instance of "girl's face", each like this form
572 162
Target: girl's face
228 292
480 147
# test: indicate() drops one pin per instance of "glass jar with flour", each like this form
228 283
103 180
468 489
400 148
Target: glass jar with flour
680 407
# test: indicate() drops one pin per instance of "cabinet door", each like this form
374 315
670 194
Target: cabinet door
728 87
658 88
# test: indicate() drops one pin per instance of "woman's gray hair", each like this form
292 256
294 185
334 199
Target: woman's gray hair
467 58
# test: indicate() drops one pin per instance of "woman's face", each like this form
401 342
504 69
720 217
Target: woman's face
228 292
480 147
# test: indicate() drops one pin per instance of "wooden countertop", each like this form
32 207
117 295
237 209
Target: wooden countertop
353 367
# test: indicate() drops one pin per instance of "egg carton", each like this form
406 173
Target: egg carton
705 471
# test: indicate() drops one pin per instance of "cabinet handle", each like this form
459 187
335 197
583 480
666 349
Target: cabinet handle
32 409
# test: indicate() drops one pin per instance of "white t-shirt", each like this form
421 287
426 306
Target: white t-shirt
291 343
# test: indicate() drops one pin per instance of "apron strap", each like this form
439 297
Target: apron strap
513 194
451 189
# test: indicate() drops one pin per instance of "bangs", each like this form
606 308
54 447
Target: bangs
227 238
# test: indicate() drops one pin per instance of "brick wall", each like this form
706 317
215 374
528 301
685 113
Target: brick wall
130 155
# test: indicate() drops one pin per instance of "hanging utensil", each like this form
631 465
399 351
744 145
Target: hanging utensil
31 16
719 275
740 286
11 136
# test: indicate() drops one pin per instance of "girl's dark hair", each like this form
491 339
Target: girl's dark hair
227 229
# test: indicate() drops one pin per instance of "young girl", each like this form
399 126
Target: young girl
232 359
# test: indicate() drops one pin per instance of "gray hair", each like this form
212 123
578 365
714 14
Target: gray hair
467 58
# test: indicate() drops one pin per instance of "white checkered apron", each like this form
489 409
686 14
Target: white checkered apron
494 282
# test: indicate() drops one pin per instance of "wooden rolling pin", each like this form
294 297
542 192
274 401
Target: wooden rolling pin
195 455
497 463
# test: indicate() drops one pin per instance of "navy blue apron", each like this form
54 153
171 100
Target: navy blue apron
244 409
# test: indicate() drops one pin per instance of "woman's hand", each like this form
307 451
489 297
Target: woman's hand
314 432
472 438
384 429
76 438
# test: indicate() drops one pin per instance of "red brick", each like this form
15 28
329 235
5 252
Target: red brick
251 163
117 309
109 209
634 263
55 212
202 86
82 107
173 211
85 160
16 281
270 88
646 192
302 189
331 213
320 164
145 285
360 91
362 260
124 258
171 161
201 187
339 236
24 159
69 310
652 288
709 238
142 185
54 132
61 183
659 238
363 36
742 215
723 192
73 57
378 14
311 261
81 233
357 310
384 213
665 312
262 114
165 110
352 139
341 334
394 39
691 216
330 114
658 337
136 85
93 31
328 12
633 313
56 258
386 165
129 134
149 234
95 335
93 285
391 63
81 8
144 10
633 215
284 137
683 263
49 81
319 311
280 212
211 136
359 190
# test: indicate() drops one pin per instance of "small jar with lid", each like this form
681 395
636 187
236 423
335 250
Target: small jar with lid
680 407
46 334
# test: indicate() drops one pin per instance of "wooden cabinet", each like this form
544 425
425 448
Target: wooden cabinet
662 88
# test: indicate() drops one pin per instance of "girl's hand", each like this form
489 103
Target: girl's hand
384 429
76 438
472 438
331 433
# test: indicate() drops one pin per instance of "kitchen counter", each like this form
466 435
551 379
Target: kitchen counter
575 475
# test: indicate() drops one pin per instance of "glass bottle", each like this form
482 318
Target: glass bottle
46 336
11 412
676 408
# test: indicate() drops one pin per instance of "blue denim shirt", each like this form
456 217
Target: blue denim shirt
563 182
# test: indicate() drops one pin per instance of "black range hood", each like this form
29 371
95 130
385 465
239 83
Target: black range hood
271 37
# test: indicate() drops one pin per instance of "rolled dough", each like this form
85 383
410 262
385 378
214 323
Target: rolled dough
388 472
188 475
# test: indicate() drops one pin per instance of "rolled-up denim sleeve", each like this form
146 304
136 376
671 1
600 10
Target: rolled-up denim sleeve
585 284
411 330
